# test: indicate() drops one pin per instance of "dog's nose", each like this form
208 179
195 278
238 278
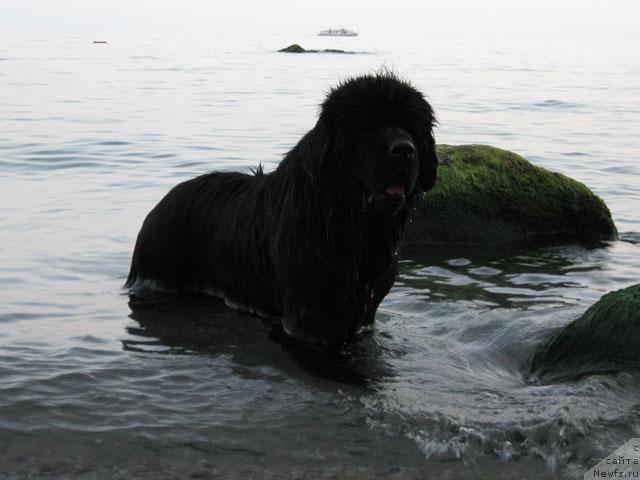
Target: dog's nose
402 148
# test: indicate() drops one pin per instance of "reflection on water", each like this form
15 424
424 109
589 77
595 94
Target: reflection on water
202 325
523 276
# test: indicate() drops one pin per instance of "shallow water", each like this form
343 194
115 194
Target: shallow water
93 135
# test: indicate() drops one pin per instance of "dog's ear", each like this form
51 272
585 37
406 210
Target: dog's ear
428 168
319 157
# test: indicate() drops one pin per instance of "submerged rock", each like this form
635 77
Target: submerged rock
605 339
485 195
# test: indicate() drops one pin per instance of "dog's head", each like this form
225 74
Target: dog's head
376 140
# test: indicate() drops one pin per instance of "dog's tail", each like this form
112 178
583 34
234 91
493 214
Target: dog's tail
257 170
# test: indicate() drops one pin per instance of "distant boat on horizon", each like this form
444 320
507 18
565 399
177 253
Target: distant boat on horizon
339 32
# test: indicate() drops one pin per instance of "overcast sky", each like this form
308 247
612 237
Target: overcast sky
612 20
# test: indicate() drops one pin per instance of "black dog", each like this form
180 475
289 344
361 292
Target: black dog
315 242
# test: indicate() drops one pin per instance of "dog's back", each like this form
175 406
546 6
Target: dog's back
201 230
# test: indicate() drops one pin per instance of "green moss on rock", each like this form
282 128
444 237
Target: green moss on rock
605 339
293 48
485 195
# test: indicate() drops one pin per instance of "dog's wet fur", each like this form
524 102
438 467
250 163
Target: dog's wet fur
315 242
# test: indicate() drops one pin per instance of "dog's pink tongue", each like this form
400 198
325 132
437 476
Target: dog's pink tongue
395 190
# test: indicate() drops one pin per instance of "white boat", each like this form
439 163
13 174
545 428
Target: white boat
340 32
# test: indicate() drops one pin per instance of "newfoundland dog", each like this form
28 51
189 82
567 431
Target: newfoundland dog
315 242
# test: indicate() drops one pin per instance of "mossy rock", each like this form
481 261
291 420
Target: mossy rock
293 48
485 195
605 339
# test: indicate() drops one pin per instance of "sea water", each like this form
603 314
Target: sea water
93 135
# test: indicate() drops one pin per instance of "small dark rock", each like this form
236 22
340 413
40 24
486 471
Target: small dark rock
293 48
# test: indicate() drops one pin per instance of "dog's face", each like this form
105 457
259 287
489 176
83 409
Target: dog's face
380 143
388 167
